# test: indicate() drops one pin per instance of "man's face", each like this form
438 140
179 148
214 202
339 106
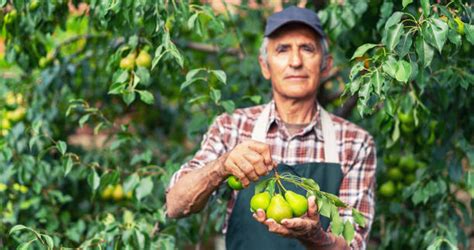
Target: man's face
294 60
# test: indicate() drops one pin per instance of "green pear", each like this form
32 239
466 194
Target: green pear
298 203
279 209
260 201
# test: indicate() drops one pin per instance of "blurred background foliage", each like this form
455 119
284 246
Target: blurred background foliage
101 101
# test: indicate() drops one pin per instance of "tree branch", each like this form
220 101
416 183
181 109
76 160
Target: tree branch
208 48
346 109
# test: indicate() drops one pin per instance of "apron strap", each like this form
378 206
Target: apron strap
260 129
329 136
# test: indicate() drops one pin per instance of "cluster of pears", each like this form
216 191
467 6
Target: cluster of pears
277 207
14 111
115 192
280 207
131 60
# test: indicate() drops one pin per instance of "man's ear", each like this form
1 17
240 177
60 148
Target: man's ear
329 63
264 67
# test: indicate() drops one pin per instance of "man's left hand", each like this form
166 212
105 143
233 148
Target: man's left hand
300 228
307 229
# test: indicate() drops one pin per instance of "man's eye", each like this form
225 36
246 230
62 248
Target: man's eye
308 48
281 49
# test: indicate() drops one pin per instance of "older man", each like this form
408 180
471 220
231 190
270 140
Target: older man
292 130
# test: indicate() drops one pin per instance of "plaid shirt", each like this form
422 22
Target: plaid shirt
356 151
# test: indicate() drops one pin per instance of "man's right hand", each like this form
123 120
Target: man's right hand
248 161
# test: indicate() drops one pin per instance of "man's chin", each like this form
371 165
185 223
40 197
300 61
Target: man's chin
299 96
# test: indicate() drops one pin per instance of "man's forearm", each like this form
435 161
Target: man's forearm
191 192
324 240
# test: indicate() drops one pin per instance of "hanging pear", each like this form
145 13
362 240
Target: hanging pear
298 203
279 209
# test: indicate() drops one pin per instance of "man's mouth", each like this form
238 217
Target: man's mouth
296 77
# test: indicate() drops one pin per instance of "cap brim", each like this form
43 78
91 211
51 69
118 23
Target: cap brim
318 31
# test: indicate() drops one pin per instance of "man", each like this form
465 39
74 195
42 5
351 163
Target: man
294 131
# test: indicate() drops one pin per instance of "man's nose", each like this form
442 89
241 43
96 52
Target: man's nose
296 60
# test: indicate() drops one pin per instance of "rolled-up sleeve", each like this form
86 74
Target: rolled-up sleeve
212 147
358 191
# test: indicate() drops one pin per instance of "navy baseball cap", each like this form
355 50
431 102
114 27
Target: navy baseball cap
294 14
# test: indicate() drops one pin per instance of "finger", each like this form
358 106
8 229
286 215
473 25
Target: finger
274 227
264 150
237 172
247 168
260 216
257 161
312 208
298 224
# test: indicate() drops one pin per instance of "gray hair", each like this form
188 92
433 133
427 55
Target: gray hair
324 47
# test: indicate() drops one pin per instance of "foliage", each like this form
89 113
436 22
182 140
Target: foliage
77 121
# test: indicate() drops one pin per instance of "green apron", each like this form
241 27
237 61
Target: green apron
244 232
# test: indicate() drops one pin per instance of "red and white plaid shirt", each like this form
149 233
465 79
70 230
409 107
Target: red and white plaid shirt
356 151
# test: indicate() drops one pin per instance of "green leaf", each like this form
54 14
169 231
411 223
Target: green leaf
358 217
158 54
131 182
469 32
128 97
26 245
392 36
187 83
146 96
109 178
198 98
337 202
192 20
405 44
117 88
406 2
377 81
256 99
62 147
144 188
144 75
228 105
190 75
348 232
355 85
424 51
49 241
454 37
394 19
120 76
175 53
336 222
361 50
311 183
83 120
365 90
390 67
325 207
356 68
221 76
425 6
403 71
68 165
435 32
271 187
17 228
145 157
215 95
93 180
261 185
396 131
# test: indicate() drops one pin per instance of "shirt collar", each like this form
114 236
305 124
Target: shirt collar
315 124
